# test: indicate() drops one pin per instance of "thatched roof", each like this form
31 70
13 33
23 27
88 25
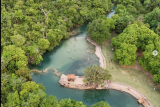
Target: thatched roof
71 76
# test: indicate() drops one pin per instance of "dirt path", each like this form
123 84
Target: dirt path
130 90
98 53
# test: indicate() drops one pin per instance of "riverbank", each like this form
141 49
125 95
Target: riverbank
79 84
102 61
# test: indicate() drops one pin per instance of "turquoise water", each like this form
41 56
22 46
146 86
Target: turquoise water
80 56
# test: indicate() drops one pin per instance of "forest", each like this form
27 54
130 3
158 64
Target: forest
29 28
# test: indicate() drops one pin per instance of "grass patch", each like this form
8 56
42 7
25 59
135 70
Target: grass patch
143 83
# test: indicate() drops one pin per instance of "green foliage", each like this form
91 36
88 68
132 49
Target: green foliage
134 7
50 101
13 58
98 29
158 30
18 40
101 104
96 74
156 78
152 18
33 54
70 103
10 84
122 22
126 54
138 36
24 72
13 100
43 44
29 86
19 14
120 9
151 4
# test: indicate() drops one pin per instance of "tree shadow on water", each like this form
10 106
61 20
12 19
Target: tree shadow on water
76 67
94 96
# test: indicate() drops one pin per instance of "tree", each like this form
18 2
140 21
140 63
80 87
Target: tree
29 86
101 104
43 44
96 74
33 54
158 30
122 22
10 84
13 100
24 72
50 101
151 4
98 29
156 78
15 56
18 40
70 103
32 94
126 54
152 18
120 9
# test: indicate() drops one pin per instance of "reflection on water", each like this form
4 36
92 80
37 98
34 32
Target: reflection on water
75 61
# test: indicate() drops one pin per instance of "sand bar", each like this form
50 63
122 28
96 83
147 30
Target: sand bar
98 53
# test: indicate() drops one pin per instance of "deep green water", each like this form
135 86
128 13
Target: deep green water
82 56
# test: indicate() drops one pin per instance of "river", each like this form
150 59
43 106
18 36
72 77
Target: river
74 57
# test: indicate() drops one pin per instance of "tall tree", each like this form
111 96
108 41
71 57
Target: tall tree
96 75
153 18
99 29
101 104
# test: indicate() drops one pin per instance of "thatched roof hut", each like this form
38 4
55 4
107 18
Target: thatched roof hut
71 77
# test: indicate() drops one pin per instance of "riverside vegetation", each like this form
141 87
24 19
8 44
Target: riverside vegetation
29 28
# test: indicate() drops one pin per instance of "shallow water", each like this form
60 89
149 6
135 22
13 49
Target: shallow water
74 57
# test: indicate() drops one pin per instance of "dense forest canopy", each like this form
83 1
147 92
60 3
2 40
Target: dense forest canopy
130 10
29 28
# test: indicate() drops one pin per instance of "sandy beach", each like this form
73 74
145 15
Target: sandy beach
98 53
